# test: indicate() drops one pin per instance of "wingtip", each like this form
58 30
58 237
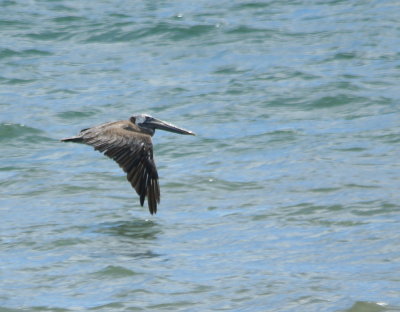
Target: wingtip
152 209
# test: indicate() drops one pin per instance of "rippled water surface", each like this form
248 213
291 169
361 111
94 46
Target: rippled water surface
286 200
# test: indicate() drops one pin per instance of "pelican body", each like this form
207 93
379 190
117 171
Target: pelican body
128 142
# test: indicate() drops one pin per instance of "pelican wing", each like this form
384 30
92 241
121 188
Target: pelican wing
133 151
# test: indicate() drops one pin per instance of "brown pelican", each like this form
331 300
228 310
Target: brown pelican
128 142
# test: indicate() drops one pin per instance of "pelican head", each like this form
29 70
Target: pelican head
150 124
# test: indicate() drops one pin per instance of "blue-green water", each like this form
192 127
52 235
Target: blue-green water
286 200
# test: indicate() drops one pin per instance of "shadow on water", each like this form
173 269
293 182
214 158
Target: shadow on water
132 238
135 230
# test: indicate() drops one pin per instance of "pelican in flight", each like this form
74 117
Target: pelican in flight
128 142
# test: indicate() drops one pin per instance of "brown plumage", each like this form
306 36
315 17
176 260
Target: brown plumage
128 142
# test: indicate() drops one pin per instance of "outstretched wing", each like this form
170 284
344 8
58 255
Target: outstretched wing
133 151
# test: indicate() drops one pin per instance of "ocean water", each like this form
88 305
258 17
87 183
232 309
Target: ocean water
286 200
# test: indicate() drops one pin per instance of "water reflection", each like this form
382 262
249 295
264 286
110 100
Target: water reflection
129 239
135 229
